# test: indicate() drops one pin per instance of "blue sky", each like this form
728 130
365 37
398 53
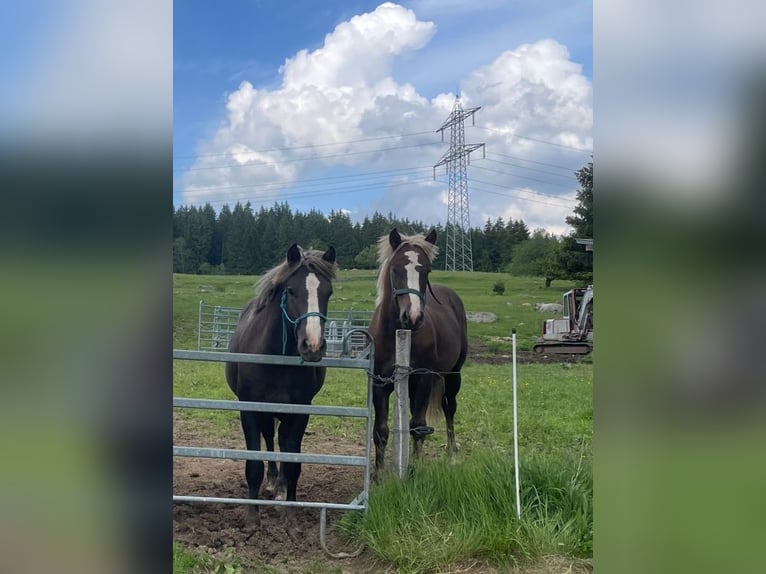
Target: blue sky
335 105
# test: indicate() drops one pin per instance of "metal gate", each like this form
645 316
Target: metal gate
216 325
363 360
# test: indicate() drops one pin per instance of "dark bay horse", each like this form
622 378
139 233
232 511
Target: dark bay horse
286 317
439 337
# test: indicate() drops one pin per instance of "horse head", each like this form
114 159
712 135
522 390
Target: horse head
408 270
304 295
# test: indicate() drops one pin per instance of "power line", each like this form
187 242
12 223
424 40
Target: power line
568 176
566 168
275 190
537 140
307 146
291 160
314 193
329 178
536 193
522 177
514 196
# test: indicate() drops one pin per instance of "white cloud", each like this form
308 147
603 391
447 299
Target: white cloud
344 91
535 90
359 52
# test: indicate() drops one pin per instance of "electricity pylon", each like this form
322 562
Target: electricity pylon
459 255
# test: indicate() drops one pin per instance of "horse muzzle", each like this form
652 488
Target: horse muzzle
407 322
311 353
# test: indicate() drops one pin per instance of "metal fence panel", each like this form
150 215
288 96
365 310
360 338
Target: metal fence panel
364 360
216 325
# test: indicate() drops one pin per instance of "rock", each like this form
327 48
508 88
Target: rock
481 317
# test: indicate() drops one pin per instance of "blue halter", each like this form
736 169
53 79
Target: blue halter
286 318
405 290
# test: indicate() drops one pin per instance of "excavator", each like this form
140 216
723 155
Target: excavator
573 333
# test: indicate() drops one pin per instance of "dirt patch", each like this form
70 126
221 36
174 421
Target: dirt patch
483 353
220 529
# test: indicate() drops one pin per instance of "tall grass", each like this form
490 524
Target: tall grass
447 514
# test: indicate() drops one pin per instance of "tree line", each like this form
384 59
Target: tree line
242 241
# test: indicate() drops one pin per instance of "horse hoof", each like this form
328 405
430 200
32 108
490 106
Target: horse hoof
253 516
292 525
269 488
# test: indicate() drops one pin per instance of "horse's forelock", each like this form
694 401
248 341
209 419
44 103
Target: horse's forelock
386 253
310 258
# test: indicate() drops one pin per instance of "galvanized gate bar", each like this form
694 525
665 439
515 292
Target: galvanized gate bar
182 402
281 456
262 502
216 325
219 356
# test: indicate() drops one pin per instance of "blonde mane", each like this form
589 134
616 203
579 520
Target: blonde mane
386 252
310 258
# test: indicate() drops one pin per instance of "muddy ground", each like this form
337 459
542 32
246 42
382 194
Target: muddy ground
216 528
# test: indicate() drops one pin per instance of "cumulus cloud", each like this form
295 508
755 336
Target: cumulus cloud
332 98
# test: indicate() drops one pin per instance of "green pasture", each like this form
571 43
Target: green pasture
421 526
355 290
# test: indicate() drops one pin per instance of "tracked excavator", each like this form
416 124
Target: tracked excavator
573 333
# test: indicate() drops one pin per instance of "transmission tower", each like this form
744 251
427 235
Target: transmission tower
459 256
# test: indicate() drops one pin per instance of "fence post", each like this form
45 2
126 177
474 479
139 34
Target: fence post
401 446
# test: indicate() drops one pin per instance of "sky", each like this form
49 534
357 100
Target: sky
336 105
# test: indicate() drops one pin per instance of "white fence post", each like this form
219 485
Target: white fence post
515 432
400 454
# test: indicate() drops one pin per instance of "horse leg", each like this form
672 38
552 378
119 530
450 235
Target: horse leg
291 431
451 389
420 391
267 430
380 396
253 468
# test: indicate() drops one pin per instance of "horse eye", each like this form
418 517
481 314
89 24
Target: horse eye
290 291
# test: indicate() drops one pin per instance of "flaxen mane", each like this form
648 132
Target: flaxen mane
310 258
385 252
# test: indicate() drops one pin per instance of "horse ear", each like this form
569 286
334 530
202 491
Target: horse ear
329 255
394 239
293 254
431 237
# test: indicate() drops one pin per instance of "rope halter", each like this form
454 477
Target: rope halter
286 318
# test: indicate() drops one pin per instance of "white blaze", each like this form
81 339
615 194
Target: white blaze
413 282
313 325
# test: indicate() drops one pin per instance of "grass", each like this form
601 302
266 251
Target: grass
555 406
445 515
187 561
355 289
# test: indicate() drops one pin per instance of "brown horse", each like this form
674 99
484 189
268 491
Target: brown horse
439 337
286 317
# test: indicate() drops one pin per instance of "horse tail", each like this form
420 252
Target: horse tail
435 399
